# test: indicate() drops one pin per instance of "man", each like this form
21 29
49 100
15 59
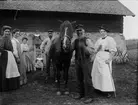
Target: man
45 47
83 50
17 53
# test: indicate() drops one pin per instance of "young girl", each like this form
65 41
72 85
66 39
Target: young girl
39 63
25 54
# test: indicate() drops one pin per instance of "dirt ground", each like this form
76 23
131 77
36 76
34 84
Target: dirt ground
37 92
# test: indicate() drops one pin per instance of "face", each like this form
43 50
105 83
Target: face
80 33
24 41
7 32
103 32
66 41
17 34
50 34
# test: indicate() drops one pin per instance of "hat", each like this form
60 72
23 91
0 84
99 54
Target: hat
79 27
24 38
6 27
50 30
104 28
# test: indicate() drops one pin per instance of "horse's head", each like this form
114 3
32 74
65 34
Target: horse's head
66 34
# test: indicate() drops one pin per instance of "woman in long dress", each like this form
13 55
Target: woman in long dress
9 74
105 48
26 56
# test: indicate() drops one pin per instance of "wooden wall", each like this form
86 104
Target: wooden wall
30 21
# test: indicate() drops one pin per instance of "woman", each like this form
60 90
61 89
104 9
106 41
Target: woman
9 74
25 55
105 48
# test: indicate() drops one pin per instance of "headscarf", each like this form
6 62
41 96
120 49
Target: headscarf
4 28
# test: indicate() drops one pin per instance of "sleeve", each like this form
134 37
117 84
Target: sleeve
112 45
97 45
1 44
43 44
22 48
14 48
73 45
90 46
25 47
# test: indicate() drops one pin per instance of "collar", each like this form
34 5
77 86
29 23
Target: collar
39 58
104 37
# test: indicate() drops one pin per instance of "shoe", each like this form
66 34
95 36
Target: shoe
78 97
88 100
109 95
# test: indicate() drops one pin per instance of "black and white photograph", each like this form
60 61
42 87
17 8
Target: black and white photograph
68 52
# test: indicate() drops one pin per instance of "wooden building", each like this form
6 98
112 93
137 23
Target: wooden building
33 16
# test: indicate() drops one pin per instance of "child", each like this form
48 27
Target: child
25 54
39 63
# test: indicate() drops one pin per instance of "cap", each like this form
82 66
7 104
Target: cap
79 27
50 30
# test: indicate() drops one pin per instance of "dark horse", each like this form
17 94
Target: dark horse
61 54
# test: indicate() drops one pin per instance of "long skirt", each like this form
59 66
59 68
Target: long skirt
8 80
27 61
102 73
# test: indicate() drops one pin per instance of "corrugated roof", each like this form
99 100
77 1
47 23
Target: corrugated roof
78 6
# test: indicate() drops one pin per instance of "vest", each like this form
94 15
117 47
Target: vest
80 54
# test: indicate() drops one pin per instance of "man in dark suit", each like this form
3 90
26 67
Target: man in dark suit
84 49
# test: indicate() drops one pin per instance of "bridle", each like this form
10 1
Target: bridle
66 36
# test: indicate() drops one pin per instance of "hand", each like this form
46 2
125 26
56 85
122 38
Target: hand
18 60
108 61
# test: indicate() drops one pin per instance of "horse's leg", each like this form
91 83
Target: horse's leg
58 67
66 69
55 71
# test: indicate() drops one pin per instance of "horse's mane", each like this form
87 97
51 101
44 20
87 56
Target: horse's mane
70 29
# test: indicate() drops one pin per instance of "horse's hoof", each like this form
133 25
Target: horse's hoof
58 93
66 92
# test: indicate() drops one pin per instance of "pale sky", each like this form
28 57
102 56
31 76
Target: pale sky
131 23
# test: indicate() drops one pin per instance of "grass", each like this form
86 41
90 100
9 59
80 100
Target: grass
36 92
132 47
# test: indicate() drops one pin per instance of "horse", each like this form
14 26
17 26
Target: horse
61 54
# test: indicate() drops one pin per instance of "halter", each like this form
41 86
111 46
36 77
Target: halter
67 37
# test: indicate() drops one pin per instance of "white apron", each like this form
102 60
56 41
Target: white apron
12 69
101 72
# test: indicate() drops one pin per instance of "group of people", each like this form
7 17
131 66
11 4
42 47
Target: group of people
93 62
14 59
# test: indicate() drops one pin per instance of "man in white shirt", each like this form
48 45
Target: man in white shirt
45 47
